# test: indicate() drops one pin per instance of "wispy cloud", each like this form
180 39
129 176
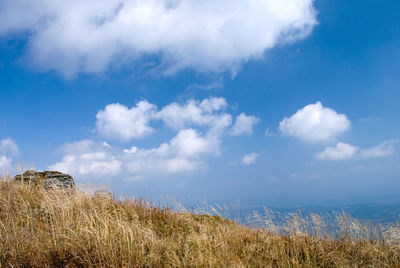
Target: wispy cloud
268 133
249 159
385 148
5 163
344 151
8 150
218 84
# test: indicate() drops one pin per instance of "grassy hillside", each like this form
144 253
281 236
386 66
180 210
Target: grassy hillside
42 228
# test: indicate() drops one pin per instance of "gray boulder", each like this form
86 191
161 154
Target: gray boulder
47 179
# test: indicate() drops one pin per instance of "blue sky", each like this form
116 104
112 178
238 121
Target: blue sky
158 98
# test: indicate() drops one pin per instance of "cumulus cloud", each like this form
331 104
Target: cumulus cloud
249 159
244 125
88 159
73 36
184 152
341 151
385 148
8 150
315 123
204 113
199 126
117 121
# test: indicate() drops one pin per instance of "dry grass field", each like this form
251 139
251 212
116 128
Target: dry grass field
56 228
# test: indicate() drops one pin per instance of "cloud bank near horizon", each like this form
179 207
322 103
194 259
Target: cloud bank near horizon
207 36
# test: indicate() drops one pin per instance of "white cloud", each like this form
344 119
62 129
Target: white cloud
188 143
244 125
386 148
87 159
341 151
249 159
205 113
218 84
344 151
73 36
199 125
184 152
119 122
5 163
315 123
8 149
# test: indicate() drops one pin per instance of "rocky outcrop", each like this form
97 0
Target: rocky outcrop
48 179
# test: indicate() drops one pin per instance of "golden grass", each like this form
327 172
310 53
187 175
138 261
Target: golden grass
55 228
